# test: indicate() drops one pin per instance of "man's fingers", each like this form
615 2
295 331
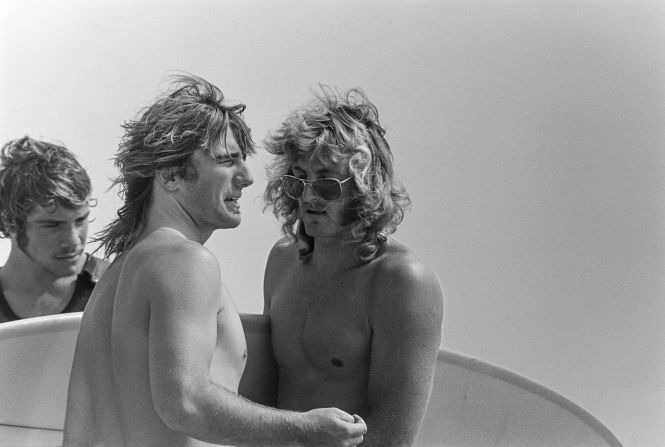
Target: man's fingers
356 441
359 425
344 416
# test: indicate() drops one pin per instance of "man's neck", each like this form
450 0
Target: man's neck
32 291
165 212
334 254
166 224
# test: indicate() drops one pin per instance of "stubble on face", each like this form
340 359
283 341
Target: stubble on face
55 239
322 218
215 193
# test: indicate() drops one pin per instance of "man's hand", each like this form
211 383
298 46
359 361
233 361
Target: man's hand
333 427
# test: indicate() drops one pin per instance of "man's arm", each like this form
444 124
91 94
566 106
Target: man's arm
184 301
406 317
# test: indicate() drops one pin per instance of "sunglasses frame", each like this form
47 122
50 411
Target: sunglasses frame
311 185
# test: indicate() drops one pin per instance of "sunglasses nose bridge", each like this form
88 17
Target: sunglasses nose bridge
312 194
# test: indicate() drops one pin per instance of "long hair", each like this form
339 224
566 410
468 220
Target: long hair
32 173
192 116
339 127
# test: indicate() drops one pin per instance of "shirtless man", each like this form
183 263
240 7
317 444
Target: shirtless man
161 320
355 316
45 202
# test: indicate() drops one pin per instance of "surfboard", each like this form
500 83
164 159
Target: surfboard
473 403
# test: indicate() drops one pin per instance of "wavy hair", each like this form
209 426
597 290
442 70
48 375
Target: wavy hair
192 116
339 127
32 173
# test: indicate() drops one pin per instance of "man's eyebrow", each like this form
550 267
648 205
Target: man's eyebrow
49 221
52 220
227 156
326 170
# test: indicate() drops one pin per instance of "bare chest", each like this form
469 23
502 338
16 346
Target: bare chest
322 324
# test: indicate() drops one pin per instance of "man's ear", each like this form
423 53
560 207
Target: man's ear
167 179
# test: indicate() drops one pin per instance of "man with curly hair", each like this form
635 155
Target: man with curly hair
44 208
161 321
355 316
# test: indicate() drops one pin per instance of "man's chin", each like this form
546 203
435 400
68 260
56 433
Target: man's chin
229 224
65 272
69 267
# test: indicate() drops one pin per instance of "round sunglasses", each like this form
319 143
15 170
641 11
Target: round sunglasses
325 188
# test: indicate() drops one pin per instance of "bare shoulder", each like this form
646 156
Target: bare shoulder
165 262
398 264
404 283
283 248
283 253
168 251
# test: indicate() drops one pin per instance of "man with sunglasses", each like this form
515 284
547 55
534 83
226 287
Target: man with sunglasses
355 316
44 209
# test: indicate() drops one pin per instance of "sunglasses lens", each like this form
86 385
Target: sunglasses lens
293 187
327 189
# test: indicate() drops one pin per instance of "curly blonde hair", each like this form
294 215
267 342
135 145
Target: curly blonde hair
339 127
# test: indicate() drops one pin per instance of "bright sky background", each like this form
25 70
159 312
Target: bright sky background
531 135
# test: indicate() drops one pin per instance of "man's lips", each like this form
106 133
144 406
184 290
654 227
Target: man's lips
232 203
314 212
69 256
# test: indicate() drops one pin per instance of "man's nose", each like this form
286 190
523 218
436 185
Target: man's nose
308 194
73 236
244 176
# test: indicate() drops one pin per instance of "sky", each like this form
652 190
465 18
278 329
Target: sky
529 134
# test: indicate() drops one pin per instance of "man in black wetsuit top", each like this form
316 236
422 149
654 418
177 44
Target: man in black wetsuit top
44 208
